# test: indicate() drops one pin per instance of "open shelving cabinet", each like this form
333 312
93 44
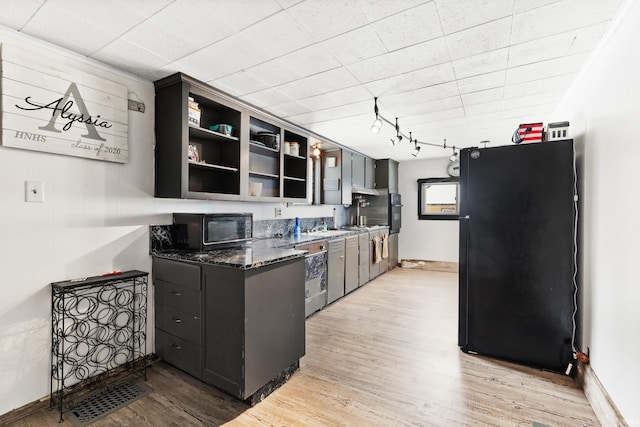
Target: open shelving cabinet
196 161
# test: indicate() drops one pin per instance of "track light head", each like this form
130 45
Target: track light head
316 151
416 150
377 123
376 126
454 156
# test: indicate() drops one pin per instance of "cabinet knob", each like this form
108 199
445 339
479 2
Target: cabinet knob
177 347
176 293
176 319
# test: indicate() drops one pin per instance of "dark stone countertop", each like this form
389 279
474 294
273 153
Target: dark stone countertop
261 252
243 258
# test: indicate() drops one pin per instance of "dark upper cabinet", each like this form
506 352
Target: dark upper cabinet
210 145
369 172
336 177
387 174
357 169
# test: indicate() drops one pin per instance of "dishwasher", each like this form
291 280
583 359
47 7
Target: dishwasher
315 276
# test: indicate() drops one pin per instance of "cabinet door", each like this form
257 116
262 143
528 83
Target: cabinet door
384 263
369 172
393 176
374 267
335 267
347 179
351 264
363 258
393 251
357 169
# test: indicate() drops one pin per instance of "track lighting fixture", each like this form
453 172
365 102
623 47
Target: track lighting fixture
377 123
398 138
454 156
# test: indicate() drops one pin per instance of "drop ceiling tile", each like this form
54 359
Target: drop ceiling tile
541 49
524 101
356 45
238 14
299 89
115 17
375 10
545 85
429 76
343 111
328 20
525 5
289 109
482 63
145 7
59 27
288 3
412 109
401 61
275 72
426 94
484 117
409 27
239 83
435 117
588 38
483 38
160 40
544 69
482 81
457 15
127 56
280 34
311 60
483 96
487 107
338 98
332 80
16 13
267 98
185 19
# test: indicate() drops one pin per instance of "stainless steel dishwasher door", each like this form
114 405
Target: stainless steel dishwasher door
315 278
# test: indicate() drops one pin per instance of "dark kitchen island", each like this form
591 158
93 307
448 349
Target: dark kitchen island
233 318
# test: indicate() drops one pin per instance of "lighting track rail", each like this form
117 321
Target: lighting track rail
377 125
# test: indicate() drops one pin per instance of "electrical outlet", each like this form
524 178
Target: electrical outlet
278 212
34 191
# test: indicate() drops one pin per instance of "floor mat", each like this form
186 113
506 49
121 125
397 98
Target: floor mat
105 401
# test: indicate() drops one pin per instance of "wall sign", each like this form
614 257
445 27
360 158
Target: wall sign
57 108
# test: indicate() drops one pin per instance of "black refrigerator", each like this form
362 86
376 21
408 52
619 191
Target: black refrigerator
517 225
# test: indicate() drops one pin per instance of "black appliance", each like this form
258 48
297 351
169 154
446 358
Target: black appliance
517 225
211 231
395 213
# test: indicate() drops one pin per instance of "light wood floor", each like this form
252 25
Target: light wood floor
385 355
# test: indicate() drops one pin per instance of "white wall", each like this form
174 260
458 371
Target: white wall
603 108
431 240
94 219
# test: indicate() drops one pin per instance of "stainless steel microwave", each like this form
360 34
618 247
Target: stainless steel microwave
211 231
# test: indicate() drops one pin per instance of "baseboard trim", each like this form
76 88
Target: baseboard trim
23 411
604 408
446 266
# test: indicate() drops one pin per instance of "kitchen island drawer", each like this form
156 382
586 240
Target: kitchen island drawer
178 323
179 353
178 297
176 272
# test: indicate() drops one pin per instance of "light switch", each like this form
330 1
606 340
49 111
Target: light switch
34 191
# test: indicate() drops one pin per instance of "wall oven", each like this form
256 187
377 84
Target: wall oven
395 213
204 232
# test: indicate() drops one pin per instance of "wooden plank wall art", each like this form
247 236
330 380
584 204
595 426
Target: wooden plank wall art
53 107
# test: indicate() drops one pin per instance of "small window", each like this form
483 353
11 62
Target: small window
438 198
